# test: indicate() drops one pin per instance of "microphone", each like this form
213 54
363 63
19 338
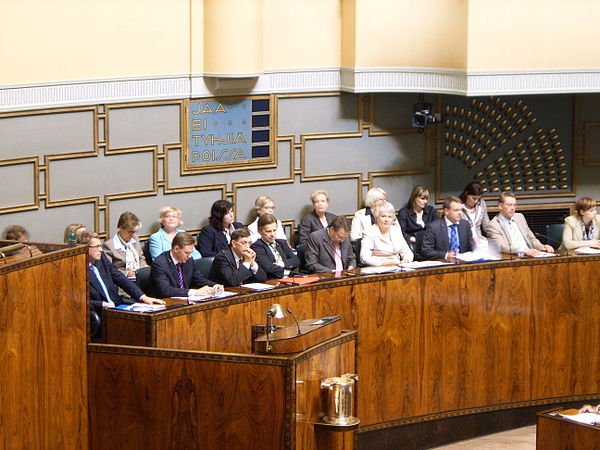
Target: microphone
294 317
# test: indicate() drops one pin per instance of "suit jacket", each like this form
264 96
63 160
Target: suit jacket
436 243
164 278
362 220
373 239
224 270
116 253
310 223
407 219
319 254
160 242
113 279
211 240
573 235
266 260
500 236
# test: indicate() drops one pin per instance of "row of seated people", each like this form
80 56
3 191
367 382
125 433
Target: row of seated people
581 229
173 272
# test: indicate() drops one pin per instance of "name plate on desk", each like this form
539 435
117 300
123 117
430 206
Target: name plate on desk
291 340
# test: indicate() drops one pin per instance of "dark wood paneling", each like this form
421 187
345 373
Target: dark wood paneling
556 433
152 402
448 341
145 398
43 338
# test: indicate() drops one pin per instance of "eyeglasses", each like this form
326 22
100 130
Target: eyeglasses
96 246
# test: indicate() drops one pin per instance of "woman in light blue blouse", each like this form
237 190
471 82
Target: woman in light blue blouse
170 220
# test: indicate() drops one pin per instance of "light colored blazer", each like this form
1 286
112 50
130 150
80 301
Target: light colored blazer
479 220
373 239
499 236
115 252
255 235
361 222
572 234
160 242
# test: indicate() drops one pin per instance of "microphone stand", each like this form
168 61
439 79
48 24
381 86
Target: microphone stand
554 241
294 317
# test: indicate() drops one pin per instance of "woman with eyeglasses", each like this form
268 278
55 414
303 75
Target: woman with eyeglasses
123 250
264 205
170 221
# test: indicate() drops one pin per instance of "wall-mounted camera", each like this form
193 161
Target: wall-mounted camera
422 115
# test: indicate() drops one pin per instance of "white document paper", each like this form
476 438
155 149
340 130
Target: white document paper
258 286
545 255
378 269
587 418
587 251
424 264
203 298
477 256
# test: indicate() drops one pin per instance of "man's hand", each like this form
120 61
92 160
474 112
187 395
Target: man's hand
152 300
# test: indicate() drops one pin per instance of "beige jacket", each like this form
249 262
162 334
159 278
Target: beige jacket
499 236
572 234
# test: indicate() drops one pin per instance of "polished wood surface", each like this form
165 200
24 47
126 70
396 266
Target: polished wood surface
147 398
298 337
43 339
436 342
557 433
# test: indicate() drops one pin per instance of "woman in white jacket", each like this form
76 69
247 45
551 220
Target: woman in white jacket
383 243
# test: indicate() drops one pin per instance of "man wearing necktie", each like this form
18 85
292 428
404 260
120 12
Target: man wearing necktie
330 249
446 237
174 274
105 279
509 231
236 264
273 255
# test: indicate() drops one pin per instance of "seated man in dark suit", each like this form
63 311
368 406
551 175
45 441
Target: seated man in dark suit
330 249
274 255
236 263
173 273
446 237
105 279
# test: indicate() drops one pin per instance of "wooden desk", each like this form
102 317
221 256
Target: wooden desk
557 433
43 350
145 398
433 343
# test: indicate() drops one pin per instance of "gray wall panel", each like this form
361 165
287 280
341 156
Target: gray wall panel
46 134
141 126
16 185
329 114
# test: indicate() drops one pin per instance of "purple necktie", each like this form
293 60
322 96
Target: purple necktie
180 276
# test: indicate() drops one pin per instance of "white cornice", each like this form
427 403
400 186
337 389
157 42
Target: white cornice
373 79
55 95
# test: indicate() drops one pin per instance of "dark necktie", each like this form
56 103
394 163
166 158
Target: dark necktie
454 245
180 275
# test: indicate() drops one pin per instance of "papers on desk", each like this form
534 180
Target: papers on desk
477 256
424 264
141 307
258 286
379 269
587 418
587 251
545 255
204 298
